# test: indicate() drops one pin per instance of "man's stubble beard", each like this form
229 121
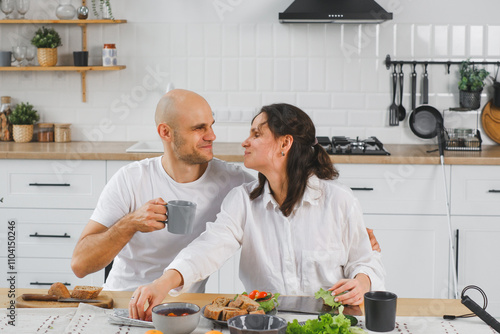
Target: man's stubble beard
192 158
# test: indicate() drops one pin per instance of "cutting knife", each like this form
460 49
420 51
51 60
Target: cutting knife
54 298
311 305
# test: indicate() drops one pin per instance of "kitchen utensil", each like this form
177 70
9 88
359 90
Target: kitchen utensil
393 109
120 317
54 298
181 324
413 88
257 324
425 86
490 118
380 311
104 300
311 305
402 110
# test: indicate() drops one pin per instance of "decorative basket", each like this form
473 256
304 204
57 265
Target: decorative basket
471 100
47 56
22 133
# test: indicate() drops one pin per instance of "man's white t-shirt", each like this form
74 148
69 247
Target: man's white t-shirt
146 255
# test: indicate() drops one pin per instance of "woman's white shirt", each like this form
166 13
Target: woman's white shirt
322 241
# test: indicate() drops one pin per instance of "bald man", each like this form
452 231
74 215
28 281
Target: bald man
127 224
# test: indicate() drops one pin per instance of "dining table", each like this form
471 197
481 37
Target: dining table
413 315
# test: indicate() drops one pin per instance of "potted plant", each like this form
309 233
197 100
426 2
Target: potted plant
46 40
105 9
22 119
472 81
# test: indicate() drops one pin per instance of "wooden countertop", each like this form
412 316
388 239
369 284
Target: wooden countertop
406 306
233 152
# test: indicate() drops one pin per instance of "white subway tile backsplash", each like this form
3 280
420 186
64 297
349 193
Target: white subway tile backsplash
367 118
230 40
196 74
265 40
493 41
314 100
349 101
213 40
330 117
264 73
299 74
298 34
476 38
404 39
247 40
458 35
351 38
334 74
230 75
195 40
178 72
423 41
282 74
441 41
316 74
178 40
244 100
271 98
213 74
352 76
282 40
248 74
333 40
316 40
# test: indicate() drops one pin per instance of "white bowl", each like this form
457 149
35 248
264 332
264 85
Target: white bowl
182 324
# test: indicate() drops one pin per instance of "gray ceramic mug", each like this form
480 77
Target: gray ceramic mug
5 58
180 216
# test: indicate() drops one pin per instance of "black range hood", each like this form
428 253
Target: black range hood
334 11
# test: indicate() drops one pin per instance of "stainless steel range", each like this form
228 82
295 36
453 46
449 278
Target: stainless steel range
346 146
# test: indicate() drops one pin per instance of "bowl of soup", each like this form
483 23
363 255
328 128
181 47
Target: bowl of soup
176 318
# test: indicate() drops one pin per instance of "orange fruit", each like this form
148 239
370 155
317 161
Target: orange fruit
153 331
213 332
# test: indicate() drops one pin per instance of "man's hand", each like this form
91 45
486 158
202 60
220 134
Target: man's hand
149 217
373 240
153 293
356 289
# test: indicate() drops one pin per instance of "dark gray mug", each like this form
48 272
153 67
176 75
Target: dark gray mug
81 58
180 216
5 58
380 311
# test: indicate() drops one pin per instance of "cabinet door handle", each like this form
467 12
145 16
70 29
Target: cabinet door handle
36 235
49 184
42 283
457 239
494 191
362 189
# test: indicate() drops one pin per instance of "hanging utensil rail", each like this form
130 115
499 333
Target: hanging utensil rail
389 62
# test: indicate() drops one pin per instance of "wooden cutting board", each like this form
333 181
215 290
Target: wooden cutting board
105 298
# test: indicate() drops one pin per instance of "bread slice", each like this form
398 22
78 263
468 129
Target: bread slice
229 312
213 311
247 303
221 301
86 292
258 312
60 290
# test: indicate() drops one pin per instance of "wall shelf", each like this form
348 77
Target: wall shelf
81 69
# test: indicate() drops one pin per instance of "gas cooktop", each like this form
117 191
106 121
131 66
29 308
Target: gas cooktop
346 146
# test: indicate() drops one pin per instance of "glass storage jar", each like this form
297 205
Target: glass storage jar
45 132
62 132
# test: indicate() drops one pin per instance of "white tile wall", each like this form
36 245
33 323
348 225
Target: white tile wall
240 61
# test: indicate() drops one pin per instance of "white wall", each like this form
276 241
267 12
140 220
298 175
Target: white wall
237 55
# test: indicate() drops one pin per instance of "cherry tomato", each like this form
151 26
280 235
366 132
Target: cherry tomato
172 315
261 295
185 314
253 294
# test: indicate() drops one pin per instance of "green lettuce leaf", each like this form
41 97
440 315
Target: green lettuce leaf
328 299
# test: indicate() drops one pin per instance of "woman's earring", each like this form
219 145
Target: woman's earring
282 153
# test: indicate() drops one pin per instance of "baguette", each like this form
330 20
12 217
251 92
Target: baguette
86 292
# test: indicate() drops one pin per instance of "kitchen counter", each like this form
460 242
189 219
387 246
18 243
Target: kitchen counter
233 152
406 306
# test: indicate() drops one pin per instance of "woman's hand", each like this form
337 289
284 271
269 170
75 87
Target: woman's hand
356 289
153 293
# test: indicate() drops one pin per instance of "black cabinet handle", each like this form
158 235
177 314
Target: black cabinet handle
36 235
363 189
494 191
457 241
49 184
42 283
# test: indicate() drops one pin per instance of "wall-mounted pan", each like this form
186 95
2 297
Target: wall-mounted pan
426 122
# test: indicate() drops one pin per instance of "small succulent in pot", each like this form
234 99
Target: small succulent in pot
46 38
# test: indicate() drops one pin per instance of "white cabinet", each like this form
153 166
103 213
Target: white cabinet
51 202
414 253
475 207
